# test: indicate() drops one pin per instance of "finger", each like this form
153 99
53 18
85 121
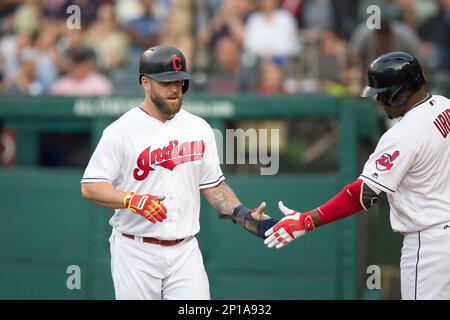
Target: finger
164 209
258 213
284 243
268 232
277 238
283 240
269 239
284 209
159 209
261 207
158 217
272 241
163 215
280 245
155 205
160 198
150 215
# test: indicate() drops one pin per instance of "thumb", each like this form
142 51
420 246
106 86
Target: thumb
160 198
284 209
258 213
261 207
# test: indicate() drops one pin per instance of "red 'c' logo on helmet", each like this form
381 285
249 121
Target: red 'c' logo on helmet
176 63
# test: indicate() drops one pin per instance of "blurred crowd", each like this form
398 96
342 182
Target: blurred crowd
232 46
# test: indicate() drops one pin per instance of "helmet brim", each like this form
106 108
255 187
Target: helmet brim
169 76
370 92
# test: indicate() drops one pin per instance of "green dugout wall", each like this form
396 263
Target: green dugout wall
46 226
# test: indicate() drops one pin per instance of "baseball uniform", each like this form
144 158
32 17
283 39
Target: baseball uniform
411 163
176 159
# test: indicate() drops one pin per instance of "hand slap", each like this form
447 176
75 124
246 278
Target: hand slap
289 228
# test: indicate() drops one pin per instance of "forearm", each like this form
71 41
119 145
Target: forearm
103 194
353 198
222 198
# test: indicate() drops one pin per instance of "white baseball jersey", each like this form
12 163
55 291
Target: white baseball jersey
175 159
411 163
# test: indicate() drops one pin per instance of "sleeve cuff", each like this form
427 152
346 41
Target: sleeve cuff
93 180
212 184
376 184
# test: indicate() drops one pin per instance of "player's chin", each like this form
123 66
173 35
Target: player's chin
173 105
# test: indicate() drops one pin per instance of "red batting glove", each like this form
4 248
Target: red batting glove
146 205
291 227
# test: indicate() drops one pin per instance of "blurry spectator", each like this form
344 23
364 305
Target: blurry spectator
331 58
7 9
127 10
224 77
436 34
367 44
271 79
55 9
345 16
109 43
1 73
340 15
24 81
425 9
407 12
46 69
27 16
10 47
83 79
229 21
145 31
71 39
271 31
317 14
178 28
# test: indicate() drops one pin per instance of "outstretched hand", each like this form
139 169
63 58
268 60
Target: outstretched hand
291 227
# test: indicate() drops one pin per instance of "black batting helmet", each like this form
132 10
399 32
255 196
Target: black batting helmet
164 64
394 77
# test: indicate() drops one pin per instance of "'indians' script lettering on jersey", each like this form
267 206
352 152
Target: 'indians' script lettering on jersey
442 123
385 162
168 157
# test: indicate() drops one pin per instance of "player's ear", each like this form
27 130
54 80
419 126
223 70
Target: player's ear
146 82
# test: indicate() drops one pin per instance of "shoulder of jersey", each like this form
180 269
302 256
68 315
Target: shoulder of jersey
192 118
125 120
412 126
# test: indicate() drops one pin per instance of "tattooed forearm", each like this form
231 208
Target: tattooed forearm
222 198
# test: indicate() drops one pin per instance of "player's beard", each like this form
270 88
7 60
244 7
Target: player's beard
166 106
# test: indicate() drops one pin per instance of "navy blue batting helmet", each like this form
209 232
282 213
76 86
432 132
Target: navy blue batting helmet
394 77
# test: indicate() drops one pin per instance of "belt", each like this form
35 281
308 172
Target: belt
154 240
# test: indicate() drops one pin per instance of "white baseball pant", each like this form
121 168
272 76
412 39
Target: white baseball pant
145 271
425 264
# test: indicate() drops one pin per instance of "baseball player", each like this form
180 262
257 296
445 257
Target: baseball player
411 164
150 166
